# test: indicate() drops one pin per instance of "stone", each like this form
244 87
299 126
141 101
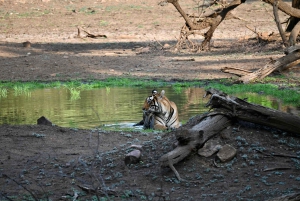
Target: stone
226 153
209 148
44 121
133 157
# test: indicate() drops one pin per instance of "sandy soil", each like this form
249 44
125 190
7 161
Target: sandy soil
53 163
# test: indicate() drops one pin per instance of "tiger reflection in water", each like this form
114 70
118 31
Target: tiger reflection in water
159 112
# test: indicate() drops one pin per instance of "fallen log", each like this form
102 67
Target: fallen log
193 139
242 110
226 108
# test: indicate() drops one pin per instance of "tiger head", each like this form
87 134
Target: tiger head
159 112
152 103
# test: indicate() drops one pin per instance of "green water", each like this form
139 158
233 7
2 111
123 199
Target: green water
105 106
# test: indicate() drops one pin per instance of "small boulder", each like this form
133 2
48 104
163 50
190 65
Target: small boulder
209 148
26 44
44 121
133 157
226 153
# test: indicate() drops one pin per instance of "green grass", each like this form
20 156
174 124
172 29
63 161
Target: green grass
288 96
3 92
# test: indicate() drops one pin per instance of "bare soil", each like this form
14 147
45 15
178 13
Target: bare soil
54 163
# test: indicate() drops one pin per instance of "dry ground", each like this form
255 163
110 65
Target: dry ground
40 162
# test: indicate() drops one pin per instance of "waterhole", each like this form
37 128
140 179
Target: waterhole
106 106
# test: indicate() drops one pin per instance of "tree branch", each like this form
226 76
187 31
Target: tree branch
277 20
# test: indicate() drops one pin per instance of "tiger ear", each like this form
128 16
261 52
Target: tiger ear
154 92
162 93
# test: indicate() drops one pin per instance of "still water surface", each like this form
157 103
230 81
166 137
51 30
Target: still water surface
97 107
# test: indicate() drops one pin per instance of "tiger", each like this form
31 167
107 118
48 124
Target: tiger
159 112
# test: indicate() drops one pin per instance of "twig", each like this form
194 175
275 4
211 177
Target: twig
215 163
6 197
89 34
158 42
269 13
285 155
183 59
276 168
278 155
251 29
177 174
34 197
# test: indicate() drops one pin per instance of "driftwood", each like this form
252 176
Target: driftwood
283 63
193 139
275 65
225 108
242 110
88 34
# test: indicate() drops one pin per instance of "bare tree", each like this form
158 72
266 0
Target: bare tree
211 17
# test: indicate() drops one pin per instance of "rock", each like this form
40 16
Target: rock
209 148
167 46
226 153
133 157
26 44
44 121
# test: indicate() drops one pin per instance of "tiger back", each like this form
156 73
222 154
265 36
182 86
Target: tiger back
159 112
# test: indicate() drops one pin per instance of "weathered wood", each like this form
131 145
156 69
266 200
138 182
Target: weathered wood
225 108
258 114
196 137
294 34
275 65
236 71
285 7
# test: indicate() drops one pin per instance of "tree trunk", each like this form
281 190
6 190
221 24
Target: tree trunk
293 20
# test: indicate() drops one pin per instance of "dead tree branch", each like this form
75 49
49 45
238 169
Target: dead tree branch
278 65
211 19
277 20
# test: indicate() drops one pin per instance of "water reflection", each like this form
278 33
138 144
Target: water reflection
104 106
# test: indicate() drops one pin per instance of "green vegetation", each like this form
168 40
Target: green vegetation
289 94
3 92
28 14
